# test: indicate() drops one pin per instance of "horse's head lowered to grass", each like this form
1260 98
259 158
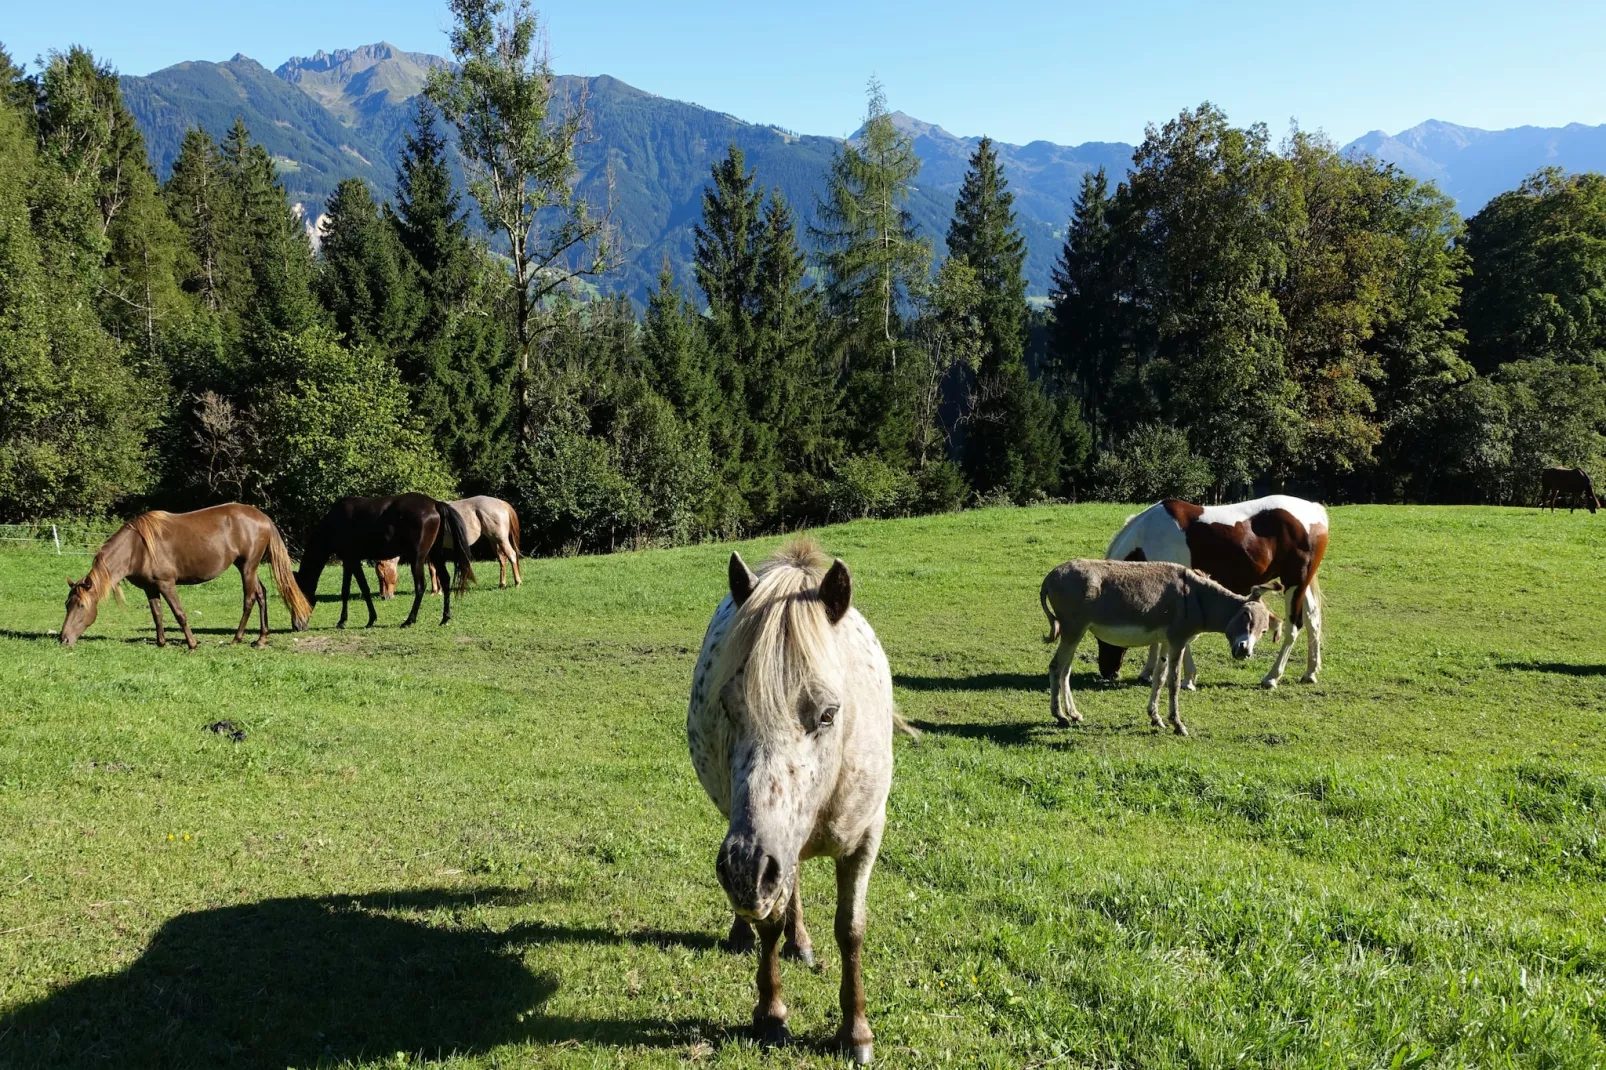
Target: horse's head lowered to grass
782 678
83 603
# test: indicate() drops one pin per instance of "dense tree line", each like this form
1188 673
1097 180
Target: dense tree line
1230 316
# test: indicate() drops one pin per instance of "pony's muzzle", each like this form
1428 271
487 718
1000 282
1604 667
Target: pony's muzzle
752 877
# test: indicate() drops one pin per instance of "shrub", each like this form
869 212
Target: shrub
867 486
1150 462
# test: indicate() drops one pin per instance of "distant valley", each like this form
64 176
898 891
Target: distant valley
335 115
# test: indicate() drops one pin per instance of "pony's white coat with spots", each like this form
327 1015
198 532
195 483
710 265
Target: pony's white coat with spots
790 728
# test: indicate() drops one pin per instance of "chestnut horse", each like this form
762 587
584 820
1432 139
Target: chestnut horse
412 527
1238 546
485 519
157 551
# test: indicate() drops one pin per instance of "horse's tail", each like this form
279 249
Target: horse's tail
1053 621
900 725
465 565
513 530
284 578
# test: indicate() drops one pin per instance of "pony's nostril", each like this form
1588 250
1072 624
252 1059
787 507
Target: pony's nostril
769 877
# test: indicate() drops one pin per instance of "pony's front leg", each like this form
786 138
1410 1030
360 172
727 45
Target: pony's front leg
798 946
1290 634
156 615
740 940
170 593
367 596
1060 702
852 882
1173 678
769 1017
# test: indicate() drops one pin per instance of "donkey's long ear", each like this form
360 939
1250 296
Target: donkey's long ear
836 592
742 579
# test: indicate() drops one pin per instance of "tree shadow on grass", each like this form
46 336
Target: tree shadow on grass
1558 667
305 981
1044 733
987 681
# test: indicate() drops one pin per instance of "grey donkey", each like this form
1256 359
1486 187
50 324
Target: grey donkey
1138 603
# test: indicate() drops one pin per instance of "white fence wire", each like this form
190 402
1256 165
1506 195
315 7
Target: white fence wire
65 539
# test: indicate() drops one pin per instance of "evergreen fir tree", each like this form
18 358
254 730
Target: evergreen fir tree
1085 348
202 204
361 279
269 236
873 257
1013 441
674 355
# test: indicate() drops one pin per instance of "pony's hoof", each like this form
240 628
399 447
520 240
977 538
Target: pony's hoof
1145 679
260 644
798 953
1064 722
1269 683
862 1052
1180 730
772 1032
1190 685
1308 678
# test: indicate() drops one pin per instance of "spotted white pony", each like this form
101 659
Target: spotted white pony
790 727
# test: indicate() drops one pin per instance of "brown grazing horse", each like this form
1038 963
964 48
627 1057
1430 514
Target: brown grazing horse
1573 482
1240 545
487 520
158 551
415 528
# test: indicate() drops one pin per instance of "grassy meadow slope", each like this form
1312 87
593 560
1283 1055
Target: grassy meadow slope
483 844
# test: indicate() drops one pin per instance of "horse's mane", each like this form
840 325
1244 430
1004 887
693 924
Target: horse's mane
149 527
780 635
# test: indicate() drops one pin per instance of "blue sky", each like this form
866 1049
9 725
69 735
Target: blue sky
1065 72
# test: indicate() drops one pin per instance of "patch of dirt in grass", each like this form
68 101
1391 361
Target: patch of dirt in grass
327 644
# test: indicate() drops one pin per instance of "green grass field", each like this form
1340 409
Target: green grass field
483 845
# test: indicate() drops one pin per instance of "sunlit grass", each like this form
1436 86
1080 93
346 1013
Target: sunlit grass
484 845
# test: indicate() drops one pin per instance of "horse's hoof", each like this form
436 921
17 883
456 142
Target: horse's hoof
798 953
862 1054
1064 722
1269 683
260 644
340 624
1190 685
1308 678
1180 730
772 1033
406 624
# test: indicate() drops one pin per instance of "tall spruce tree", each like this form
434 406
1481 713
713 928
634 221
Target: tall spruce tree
1013 443
362 280
873 257
269 236
459 364
1085 348
201 201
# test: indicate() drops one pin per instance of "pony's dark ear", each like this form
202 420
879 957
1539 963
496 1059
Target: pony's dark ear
836 592
742 579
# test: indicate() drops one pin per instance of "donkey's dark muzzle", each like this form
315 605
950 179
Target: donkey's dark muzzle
750 876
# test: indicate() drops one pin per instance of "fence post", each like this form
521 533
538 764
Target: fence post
55 537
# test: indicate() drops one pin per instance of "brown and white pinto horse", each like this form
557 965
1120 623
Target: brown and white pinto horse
1238 546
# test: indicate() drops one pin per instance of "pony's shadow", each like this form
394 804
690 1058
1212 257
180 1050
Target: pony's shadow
1559 667
317 980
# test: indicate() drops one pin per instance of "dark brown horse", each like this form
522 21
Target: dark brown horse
413 527
158 551
1571 483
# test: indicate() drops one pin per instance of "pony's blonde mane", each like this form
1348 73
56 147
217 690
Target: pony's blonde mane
781 635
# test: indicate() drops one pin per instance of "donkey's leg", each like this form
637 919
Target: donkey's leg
1147 675
769 1017
1060 702
1190 674
1290 634
1173 679
852 881
170 594
740 940
798 946
1154 692
367 595
418 589
1313 638
156 615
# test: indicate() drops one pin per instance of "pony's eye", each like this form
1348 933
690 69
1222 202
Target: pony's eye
828 716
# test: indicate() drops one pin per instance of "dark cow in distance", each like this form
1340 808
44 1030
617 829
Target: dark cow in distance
1573 483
